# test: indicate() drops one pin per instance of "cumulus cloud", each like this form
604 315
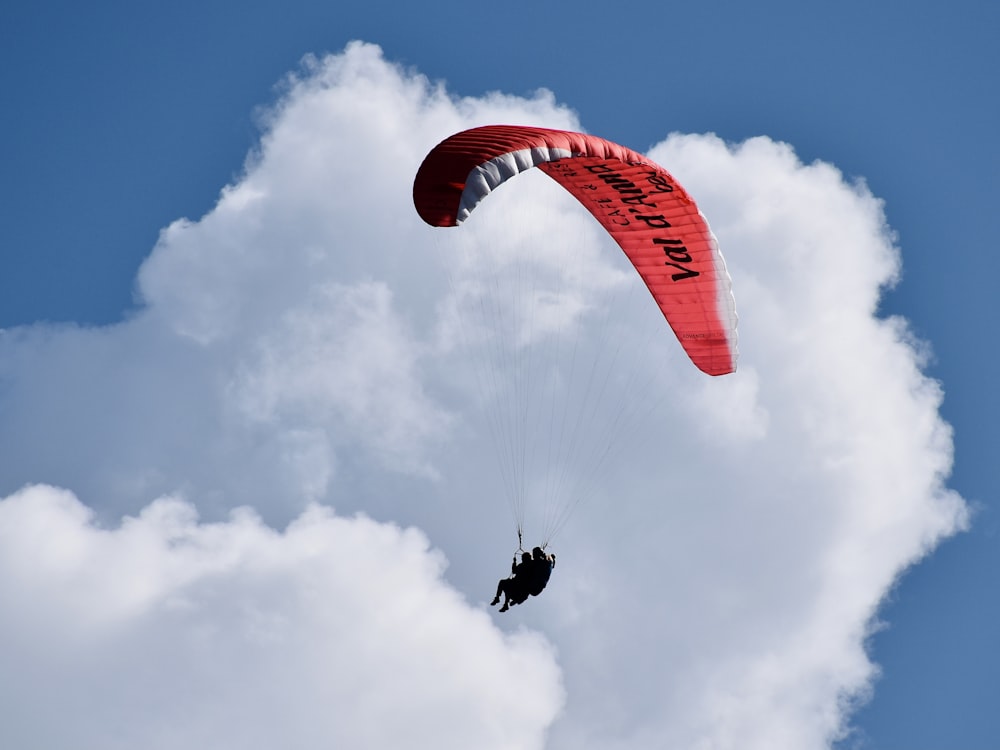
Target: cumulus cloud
309 344
165 633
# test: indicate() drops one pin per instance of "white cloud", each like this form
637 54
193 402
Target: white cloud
165 633
310 341
343 354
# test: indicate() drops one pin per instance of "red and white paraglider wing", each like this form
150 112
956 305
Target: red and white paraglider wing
650 216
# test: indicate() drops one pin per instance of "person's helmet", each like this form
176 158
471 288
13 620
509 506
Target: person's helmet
537 552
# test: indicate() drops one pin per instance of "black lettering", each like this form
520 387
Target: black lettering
620 184
637 200
685 273
677 254
614 179
656 222
659 183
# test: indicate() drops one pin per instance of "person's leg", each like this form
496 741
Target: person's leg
501 589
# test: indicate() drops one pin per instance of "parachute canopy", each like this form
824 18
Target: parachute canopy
645 210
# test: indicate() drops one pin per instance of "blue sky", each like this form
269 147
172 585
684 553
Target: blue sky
121 119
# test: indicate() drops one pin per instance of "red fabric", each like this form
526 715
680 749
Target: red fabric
639 203
437 189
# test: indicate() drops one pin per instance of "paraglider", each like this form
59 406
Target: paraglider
527 578
647 212
514 589
640 205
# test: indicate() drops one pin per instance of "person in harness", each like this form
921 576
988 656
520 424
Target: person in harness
527 578
542 564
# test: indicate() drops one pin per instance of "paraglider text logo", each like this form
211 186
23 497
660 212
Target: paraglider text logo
636 202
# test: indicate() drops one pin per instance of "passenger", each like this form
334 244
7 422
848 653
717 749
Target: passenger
515 588
540 570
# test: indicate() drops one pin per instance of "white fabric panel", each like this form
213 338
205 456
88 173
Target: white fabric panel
489 175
